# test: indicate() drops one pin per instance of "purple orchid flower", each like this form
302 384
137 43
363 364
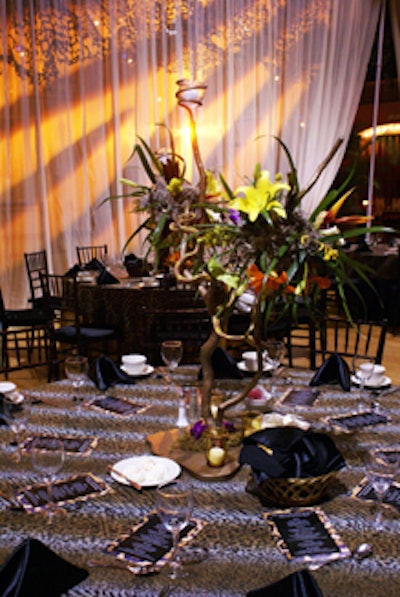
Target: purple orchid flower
198 428
235 216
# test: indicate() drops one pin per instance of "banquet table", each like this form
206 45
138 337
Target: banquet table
242 553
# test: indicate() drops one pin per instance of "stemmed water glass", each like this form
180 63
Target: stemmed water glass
76 370
171 354
49 462
380 473
363 369
275 351
16 415
174 505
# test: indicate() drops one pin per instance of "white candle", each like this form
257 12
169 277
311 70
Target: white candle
216 456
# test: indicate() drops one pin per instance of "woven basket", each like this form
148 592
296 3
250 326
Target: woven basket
295 491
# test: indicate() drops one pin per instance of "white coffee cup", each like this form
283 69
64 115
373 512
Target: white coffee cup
134 363
7 387
374 377
250 360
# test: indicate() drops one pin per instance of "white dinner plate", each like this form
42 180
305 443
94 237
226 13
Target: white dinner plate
266 367
7 386
373 386
146 371
147 471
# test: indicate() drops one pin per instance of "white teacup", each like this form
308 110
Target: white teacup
134 363
373 374
250 360
7 387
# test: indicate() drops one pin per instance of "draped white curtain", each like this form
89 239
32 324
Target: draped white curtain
81 79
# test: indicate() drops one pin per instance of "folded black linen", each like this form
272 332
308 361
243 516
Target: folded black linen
105 373
105 277
33 569
334 370
298 584
282 452
94 265
71 273
224 366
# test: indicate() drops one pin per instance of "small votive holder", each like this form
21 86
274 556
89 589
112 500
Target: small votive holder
217 398
216 447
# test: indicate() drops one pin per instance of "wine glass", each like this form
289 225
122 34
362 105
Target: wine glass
174 504
275 350
380 473
363 370
171 353
49 461
76 370
16 411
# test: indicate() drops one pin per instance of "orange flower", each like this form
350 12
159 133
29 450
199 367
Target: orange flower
256 278
274 282
322 281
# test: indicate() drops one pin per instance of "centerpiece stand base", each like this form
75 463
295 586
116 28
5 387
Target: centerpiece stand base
164 443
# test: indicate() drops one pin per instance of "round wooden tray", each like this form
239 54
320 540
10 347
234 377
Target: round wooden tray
162 444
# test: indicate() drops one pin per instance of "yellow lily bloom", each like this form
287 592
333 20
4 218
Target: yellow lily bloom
254 199
175 186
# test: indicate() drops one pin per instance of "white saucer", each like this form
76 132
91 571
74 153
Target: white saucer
372 386
242 366
146 371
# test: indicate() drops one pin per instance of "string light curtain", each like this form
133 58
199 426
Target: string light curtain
81 79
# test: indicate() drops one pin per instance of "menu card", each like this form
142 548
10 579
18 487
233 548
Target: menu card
356 421
77 488
293 397
150 543
81 446
119 406
365 491
306 535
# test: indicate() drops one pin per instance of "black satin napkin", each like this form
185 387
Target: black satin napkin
105 277
298 584
94 265
282 452
333 370
105 373
224 366
34 570
2 419
71 273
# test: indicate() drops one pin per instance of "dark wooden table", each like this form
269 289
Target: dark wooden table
242 554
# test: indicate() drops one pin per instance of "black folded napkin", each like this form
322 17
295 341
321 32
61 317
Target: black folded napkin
282 452
33 569
136 266
105 373
2 419
297 584
71 273
333 370
94 265
105 277
224 366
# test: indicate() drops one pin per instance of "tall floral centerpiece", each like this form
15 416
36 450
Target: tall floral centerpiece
254 239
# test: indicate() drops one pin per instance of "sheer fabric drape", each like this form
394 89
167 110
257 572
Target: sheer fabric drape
80 79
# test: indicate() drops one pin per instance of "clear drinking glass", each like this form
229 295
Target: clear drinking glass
49 462
76 370
174 504
171 353
363 369
275 350
16 414
380 472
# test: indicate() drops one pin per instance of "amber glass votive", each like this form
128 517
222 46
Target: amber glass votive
216 447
